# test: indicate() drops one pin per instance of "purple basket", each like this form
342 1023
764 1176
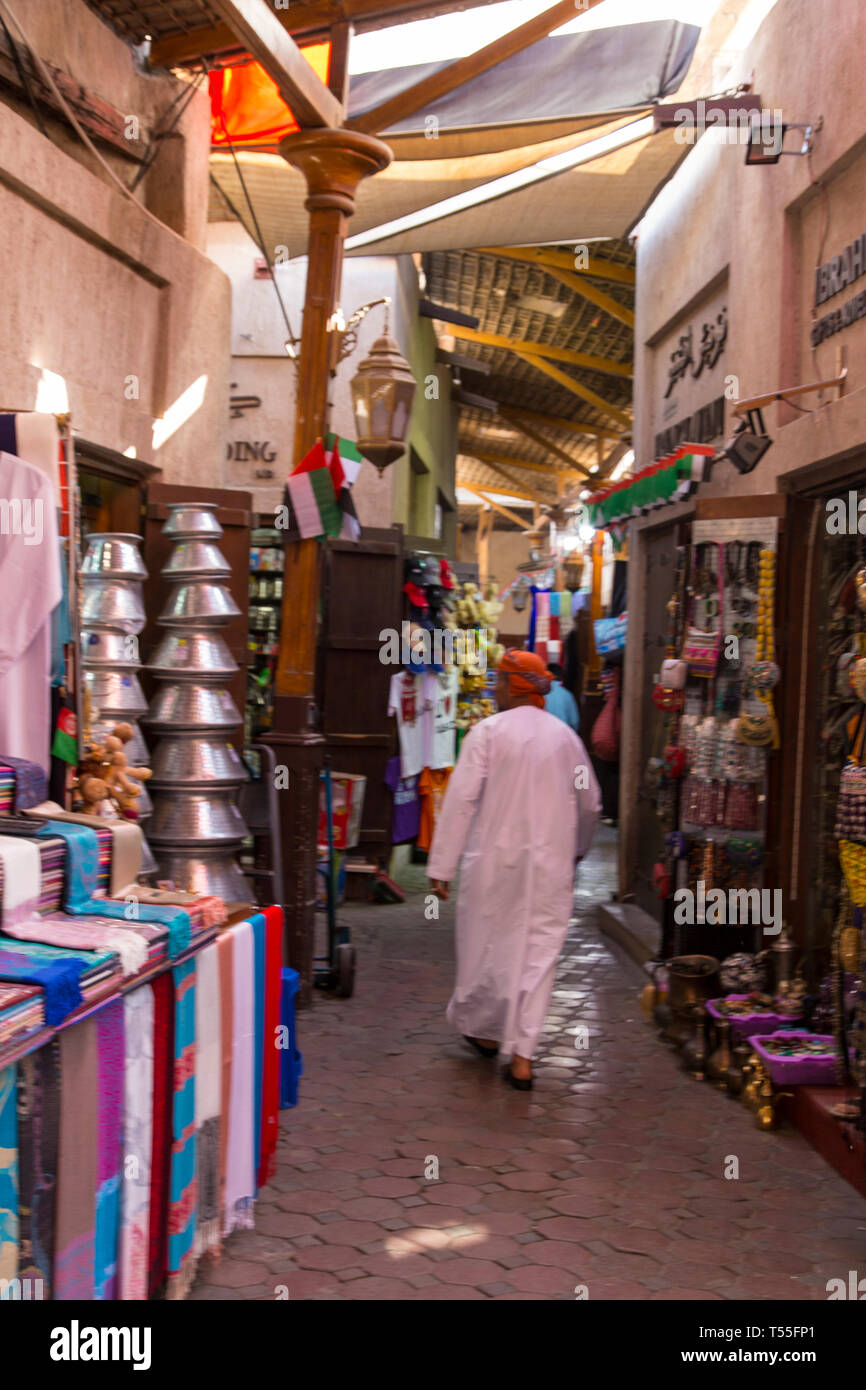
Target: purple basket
805 1070
748 1025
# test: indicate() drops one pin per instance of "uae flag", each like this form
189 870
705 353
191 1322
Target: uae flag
344 465
311 498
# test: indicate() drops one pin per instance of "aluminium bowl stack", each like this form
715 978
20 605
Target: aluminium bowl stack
197 830
112 574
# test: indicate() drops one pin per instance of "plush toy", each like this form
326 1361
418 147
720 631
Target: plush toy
105 783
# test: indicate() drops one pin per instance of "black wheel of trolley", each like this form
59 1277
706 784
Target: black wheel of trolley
345 971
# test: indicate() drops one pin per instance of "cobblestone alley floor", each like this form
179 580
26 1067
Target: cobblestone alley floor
608 1176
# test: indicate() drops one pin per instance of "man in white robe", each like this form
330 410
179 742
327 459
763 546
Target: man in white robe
521 808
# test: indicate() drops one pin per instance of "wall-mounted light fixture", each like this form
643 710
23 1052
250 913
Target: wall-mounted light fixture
763 150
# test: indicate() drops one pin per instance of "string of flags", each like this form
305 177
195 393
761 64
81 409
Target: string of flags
318 498
670 480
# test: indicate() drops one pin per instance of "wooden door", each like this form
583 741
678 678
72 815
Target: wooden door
361 595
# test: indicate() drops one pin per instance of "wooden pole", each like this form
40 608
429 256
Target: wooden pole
333 163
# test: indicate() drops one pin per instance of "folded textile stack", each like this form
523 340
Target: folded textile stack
7 790
22 1010
68 978
203 912
52 853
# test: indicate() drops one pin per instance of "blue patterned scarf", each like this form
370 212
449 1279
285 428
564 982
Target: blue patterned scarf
8 1176
81 877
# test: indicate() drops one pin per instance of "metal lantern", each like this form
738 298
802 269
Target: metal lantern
520 594
382 395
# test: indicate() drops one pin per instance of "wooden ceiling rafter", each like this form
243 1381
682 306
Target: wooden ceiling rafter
576 281
551 258
518 488
561 422
313 20
496 506
558 354
533 434
578 389
487 456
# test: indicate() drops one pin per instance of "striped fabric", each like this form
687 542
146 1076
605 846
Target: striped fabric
182 1204
53 854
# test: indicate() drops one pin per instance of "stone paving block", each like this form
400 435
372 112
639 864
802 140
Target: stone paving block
608 1175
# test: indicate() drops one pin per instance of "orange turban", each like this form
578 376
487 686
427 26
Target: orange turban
527 675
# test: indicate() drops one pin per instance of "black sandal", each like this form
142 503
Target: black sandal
479 1047
520 1083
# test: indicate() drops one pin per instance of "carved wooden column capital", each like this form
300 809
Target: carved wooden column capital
333 163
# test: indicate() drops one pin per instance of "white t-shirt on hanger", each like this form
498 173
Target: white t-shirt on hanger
407 702
441 700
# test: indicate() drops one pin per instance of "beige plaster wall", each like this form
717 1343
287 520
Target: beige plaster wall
763 227
757 233
100 292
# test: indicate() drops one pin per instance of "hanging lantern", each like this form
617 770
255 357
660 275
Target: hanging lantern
382 395
519 594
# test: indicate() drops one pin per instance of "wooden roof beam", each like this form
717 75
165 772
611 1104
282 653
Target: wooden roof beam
262 35
533 434
580 285
448 79
497 506
611 306
575 470
557 354
312 20
559 422
577 389
548 256
514 484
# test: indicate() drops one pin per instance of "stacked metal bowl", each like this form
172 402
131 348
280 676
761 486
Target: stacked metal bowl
197 829
112 616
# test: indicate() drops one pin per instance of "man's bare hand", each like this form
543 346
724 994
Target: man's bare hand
442 890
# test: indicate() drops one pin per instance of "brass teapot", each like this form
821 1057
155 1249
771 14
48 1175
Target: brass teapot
766 1115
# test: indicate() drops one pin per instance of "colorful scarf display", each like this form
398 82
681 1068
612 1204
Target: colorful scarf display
57 973
82 876
115 1183
78 1163
225 945
240 1168
52 857
271 1061
8 1174
208 1107
84 936
138 1015
31 784
22 873
182 1190
257 922
160 1153
109 1034
207 912
38 1133
120 843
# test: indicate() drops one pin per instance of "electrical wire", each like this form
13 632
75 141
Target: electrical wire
185 96
47 78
